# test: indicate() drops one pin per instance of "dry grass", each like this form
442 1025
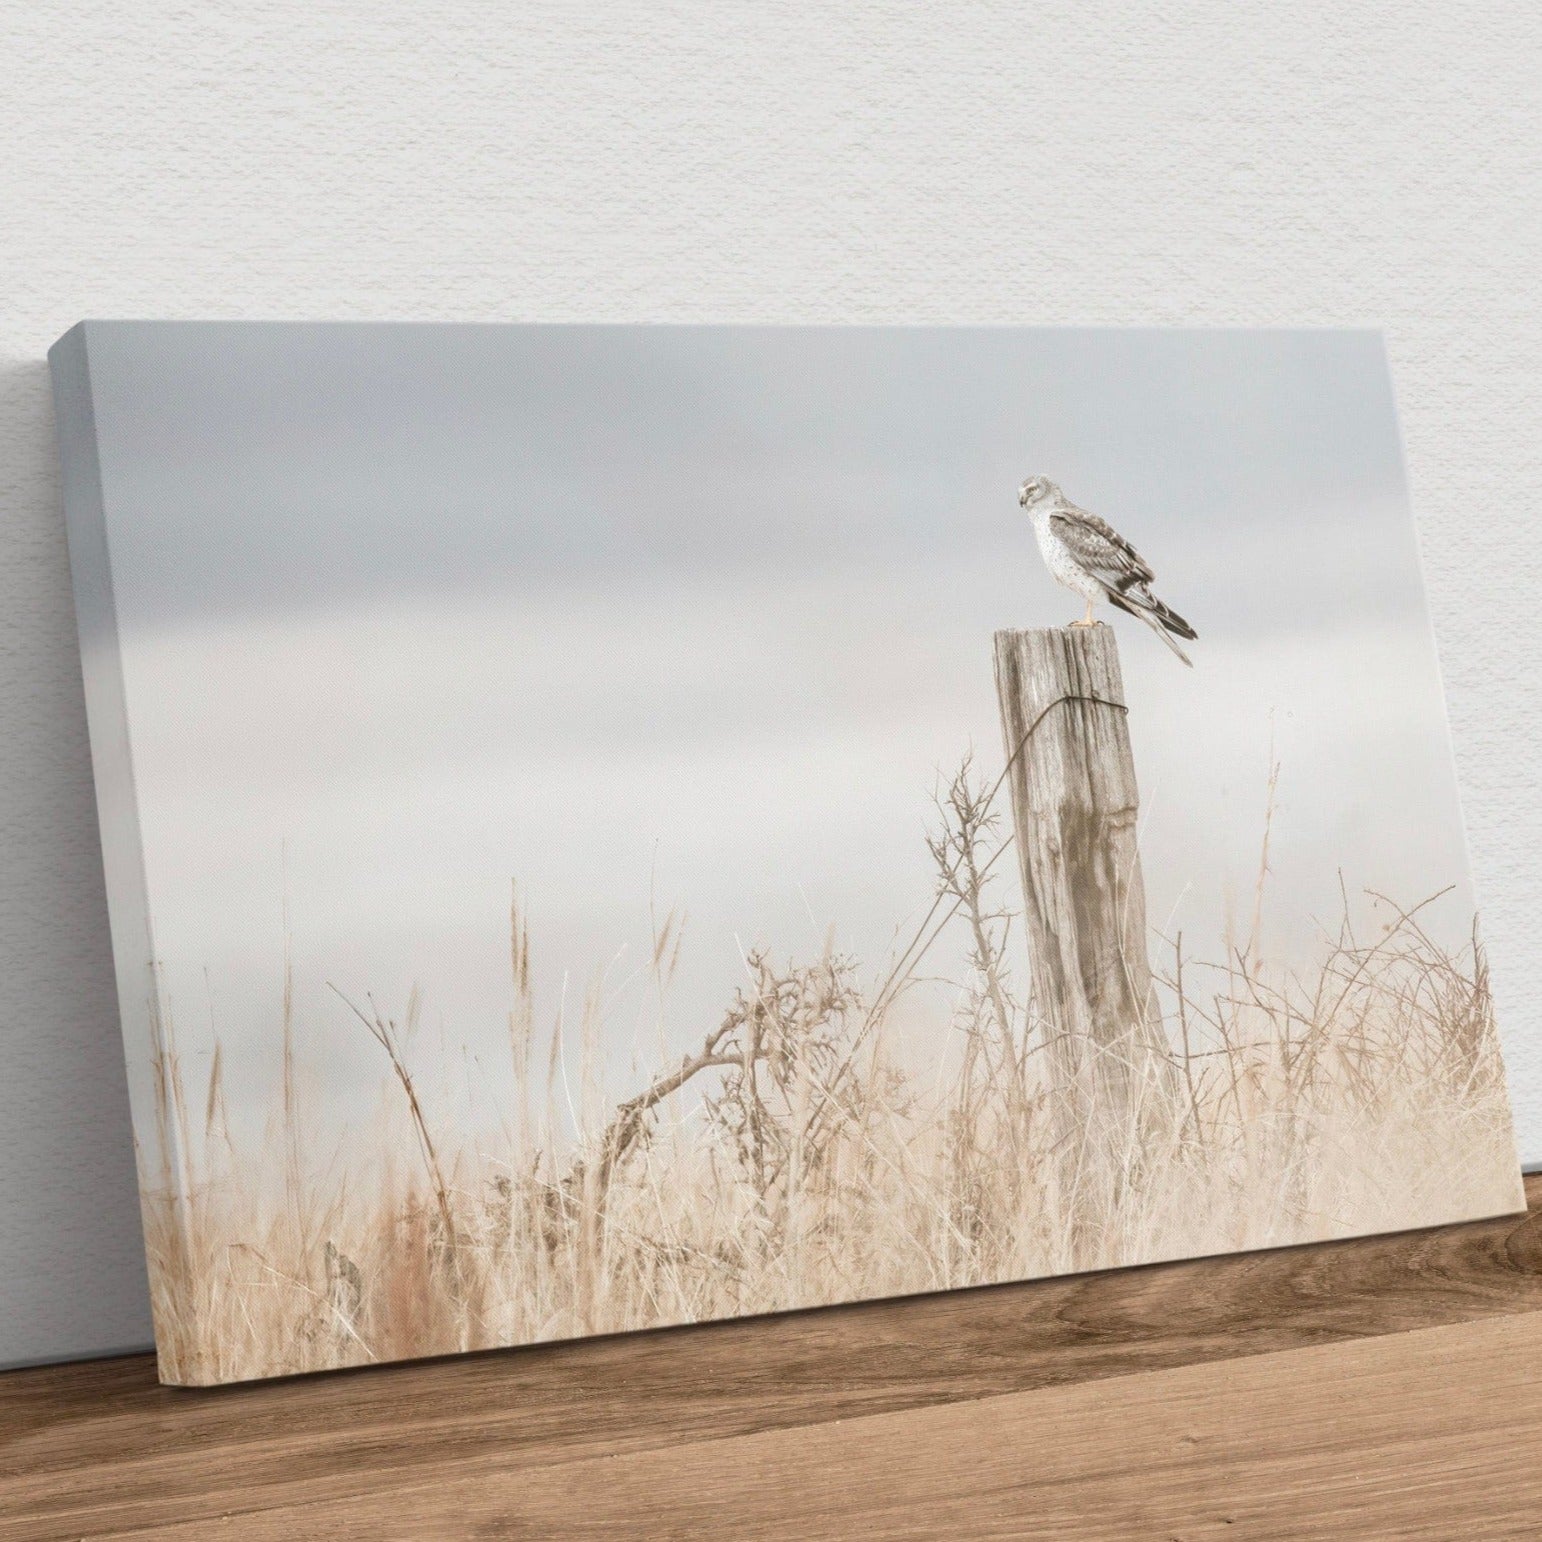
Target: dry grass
798 1155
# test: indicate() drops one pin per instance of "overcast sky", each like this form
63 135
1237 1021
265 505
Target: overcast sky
645 617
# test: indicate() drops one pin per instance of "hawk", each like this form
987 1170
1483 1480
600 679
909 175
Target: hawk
1090 557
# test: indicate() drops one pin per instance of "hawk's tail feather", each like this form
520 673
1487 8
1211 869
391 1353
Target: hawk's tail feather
1157 616
1169 617
1166 637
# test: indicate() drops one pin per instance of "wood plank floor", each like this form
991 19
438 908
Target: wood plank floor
1385 1387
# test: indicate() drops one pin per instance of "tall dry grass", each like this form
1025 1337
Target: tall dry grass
802 1153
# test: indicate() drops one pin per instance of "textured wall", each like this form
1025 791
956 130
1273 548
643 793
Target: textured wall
1189 163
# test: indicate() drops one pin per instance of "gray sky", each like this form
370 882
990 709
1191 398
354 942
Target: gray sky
692 616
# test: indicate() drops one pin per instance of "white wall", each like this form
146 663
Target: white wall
1189 163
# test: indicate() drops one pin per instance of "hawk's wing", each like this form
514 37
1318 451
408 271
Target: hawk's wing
1101 550
1126 578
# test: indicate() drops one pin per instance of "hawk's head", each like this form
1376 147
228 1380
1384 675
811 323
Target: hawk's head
1034 490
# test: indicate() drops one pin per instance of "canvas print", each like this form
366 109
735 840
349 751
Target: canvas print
609 827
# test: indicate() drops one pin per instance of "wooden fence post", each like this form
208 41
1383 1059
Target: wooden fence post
1074 805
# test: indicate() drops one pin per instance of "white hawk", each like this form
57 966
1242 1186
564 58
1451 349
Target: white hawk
1092 559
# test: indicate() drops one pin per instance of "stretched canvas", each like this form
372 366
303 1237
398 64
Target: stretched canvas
618 826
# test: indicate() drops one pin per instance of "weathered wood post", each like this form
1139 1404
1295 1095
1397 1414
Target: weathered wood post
1075 804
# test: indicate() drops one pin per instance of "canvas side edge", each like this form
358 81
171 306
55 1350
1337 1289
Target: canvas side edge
1525 1162
117 803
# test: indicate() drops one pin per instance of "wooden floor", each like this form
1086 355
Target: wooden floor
1384 1388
